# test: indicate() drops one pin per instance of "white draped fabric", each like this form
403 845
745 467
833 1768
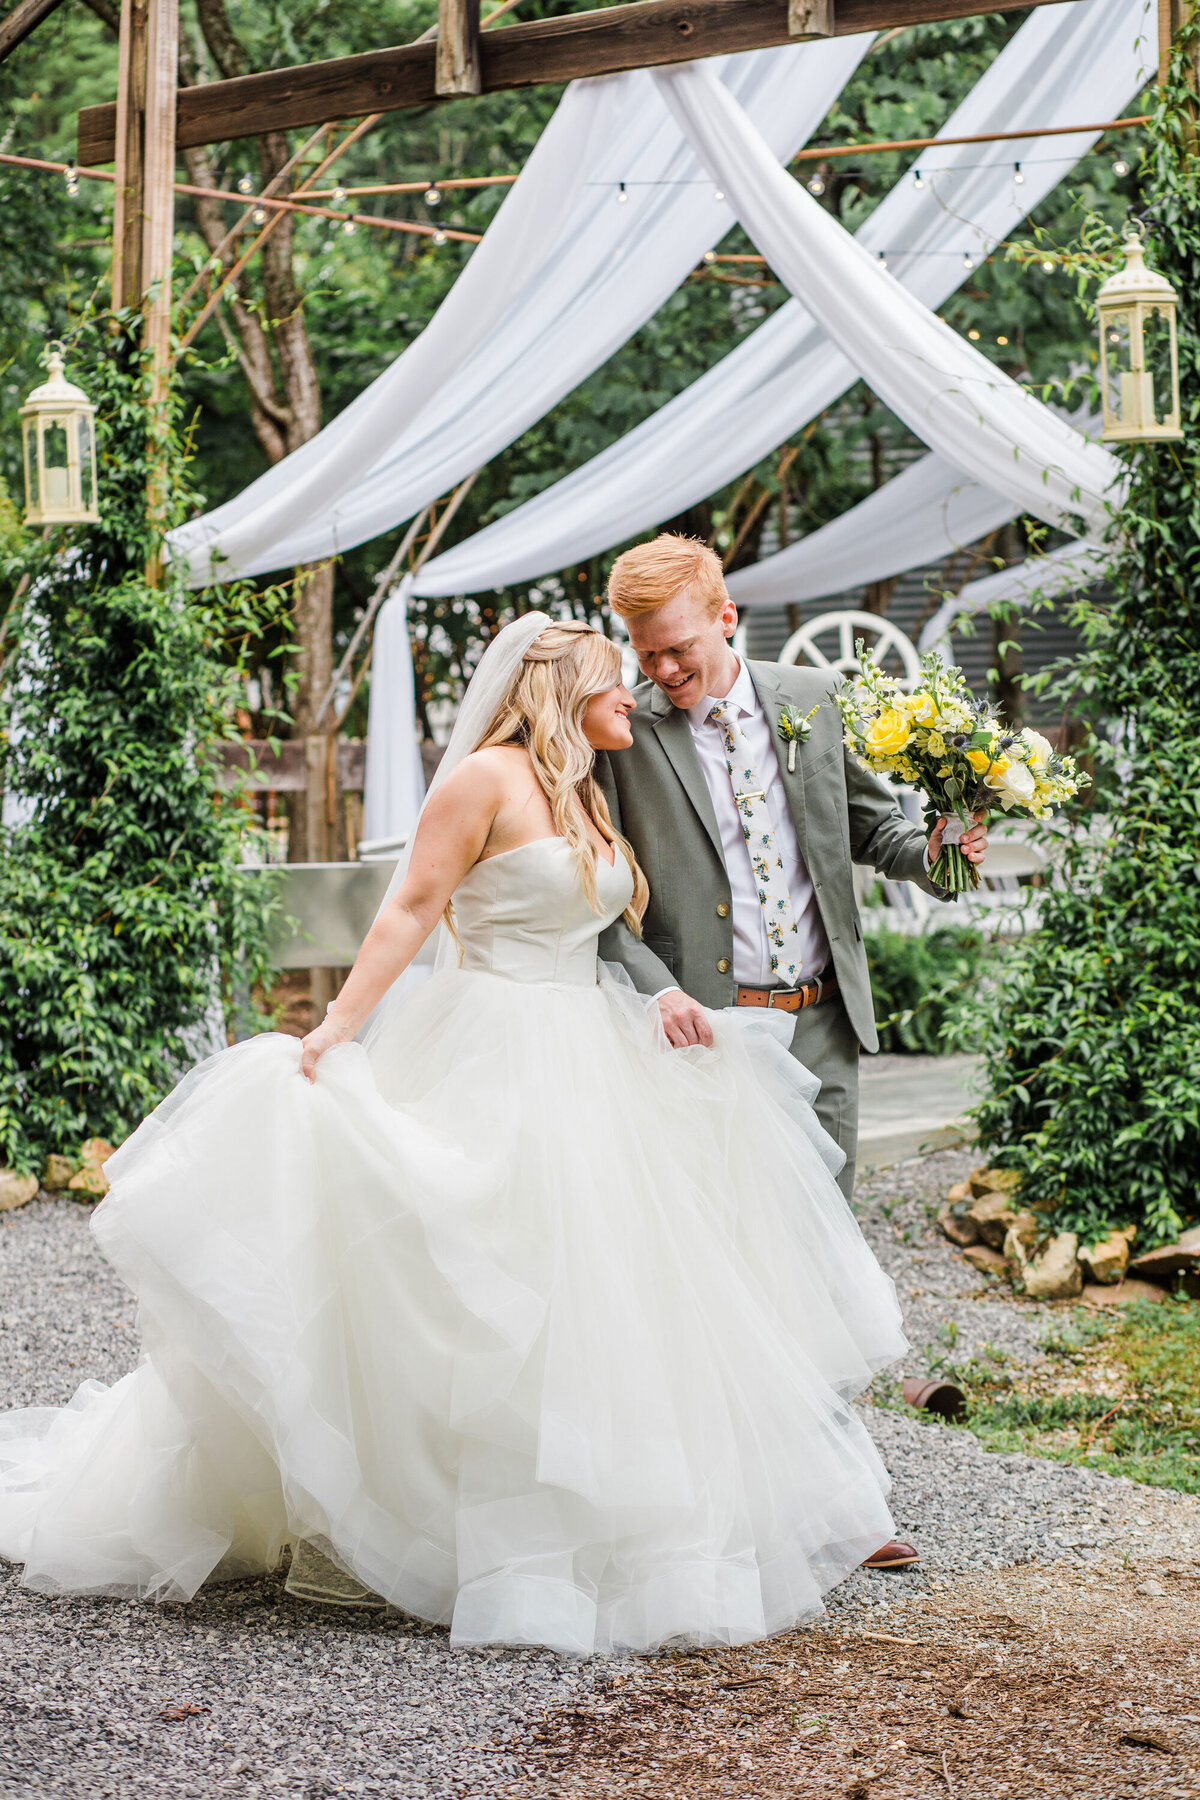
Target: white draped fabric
563 277
919 517
923 515
1067 64
394 781
1061 571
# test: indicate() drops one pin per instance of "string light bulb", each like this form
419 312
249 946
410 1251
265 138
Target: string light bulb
882 260
245 183
259 215
338 196
622 192
973 335
710 256
439 236
1120 167
348 227
1018 176
918 180
816 186
432 195
1048 266
968 260
71 177
1002 340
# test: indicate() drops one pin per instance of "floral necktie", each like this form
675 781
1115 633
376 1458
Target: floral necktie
750 794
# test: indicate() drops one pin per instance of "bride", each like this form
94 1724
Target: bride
509 1314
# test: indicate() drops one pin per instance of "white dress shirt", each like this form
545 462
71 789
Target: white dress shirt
751 952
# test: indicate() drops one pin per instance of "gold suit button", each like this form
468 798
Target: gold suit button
723 966
722 910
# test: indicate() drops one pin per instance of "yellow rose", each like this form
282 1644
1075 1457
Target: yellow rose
921 708
889 733
987 762
937 744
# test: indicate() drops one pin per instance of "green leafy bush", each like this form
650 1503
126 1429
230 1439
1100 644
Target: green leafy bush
1092 1035
124 921
919 983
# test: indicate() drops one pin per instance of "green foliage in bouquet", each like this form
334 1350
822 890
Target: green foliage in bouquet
124 922
1092 1034
955 749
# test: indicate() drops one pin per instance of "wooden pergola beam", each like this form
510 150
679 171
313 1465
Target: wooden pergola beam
457 68
25 17
647 34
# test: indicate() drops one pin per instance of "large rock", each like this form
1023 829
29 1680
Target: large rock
1022 1238
57 1173
991 1215
961 1191
1053 1273
16 1190
957 1227
1179 1258
91 1183
1108 1260
988 1262
1124 1294
994 1181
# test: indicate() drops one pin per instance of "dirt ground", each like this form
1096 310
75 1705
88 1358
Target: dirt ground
1027 1682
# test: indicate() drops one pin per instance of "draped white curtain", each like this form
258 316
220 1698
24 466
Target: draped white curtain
1068 64
1061 571
394 780
563 277
923 515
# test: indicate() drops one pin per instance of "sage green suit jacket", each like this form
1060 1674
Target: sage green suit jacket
658 798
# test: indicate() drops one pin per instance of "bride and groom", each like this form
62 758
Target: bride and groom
536 1310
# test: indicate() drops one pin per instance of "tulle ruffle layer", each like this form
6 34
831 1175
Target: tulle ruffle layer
548 1331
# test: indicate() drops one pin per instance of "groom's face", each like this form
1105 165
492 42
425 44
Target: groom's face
685 651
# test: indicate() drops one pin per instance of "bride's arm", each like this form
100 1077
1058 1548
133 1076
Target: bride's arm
454 828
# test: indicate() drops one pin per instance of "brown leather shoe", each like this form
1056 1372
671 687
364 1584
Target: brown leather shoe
894 1555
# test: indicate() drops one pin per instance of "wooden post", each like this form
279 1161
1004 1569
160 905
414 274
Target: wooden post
129 199
810 18
457 68
144 213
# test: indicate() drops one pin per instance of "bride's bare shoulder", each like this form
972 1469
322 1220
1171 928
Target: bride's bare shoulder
500 772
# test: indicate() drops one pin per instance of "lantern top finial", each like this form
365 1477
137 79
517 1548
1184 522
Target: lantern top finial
1135 281
57 393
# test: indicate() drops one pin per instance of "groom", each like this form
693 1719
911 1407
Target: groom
748 859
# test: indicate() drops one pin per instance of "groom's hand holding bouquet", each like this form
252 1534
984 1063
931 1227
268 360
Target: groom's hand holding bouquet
966 762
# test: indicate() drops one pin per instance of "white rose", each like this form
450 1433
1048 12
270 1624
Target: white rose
1015 785
1040 750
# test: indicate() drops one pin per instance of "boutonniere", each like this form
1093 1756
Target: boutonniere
794 729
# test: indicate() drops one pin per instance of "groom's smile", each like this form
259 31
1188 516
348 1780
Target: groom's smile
683 648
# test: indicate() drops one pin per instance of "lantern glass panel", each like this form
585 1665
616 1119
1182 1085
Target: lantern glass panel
1156 340
33 487
57 473
87 464
1117 338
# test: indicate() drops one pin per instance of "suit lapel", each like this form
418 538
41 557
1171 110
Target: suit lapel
765 677
675 735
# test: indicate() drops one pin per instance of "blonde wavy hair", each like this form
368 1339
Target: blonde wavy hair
543 711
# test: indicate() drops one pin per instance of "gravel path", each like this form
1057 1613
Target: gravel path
310 1704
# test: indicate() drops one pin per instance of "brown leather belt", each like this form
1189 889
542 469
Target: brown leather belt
812 993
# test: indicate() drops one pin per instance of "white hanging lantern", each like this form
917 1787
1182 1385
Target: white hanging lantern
1136 309
59 432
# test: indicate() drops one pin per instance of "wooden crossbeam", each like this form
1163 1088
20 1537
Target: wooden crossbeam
649 33
25 17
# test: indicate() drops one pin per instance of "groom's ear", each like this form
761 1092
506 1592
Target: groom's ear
729 617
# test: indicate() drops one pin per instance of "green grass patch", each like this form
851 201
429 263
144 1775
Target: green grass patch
1118 1392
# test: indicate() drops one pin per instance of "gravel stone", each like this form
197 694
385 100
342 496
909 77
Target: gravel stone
302 1701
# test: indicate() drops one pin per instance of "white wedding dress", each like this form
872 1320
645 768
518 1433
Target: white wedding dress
545 1331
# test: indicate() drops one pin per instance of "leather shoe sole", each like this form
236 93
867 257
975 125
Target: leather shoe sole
893 1555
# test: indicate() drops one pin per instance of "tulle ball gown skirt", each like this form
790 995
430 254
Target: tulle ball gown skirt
544 1331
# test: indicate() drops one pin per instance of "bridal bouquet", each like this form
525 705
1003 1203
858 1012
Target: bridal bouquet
941 739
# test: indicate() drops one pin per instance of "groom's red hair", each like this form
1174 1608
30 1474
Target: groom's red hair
652 575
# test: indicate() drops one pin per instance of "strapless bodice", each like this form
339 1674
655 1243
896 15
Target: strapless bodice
524 913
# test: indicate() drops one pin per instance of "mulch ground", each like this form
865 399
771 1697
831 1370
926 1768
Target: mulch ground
1028 1682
